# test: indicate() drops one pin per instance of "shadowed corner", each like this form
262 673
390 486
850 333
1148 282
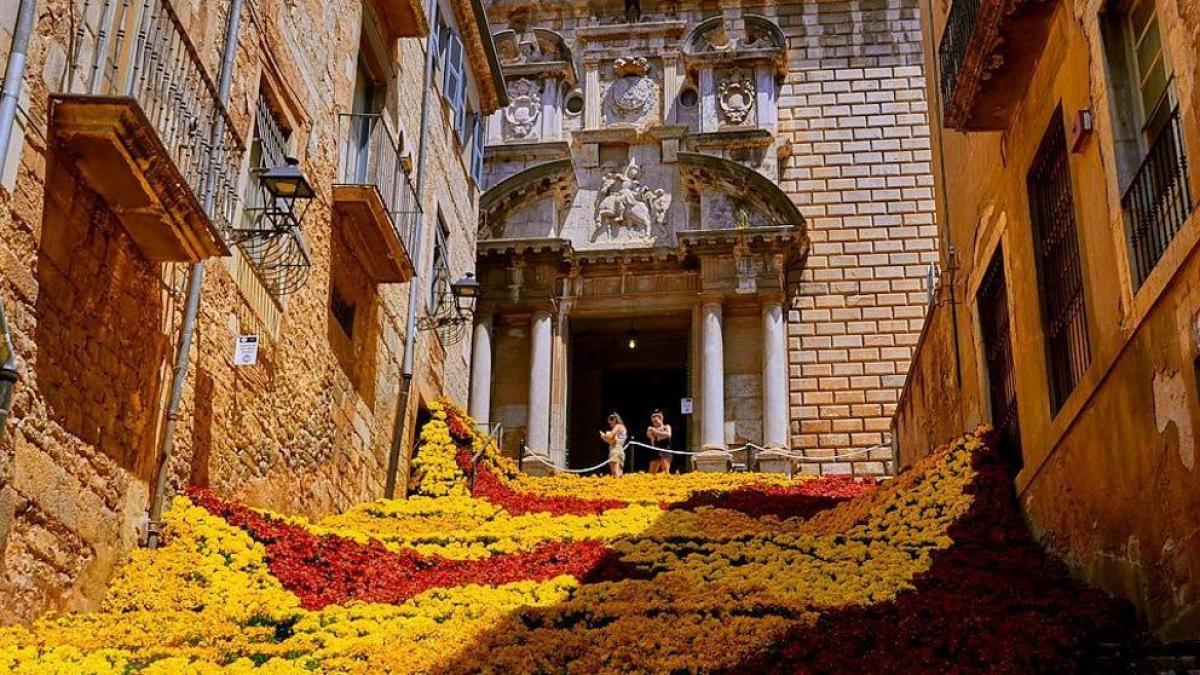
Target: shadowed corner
992 602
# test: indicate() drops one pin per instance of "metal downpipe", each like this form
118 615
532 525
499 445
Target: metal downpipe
399 428
192 309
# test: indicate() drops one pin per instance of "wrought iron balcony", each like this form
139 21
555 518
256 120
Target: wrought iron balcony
1159 200
141 120
373 197
988 53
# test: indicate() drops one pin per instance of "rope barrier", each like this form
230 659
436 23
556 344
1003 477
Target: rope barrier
727 453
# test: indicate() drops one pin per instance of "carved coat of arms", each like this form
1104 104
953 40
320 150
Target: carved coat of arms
632 95
623 201
524 108
736 96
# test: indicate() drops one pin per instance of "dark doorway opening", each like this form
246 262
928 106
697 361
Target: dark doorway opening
607 375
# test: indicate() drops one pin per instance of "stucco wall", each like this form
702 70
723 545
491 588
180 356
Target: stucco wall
1109 481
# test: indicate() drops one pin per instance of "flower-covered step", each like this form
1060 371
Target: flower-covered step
933 571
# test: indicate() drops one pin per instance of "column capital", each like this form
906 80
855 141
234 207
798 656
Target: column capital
708 299
772 298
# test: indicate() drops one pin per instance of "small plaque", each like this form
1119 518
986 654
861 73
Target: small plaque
246 352
685 406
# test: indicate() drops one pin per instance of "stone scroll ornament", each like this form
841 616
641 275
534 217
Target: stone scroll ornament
624 202
632 95
524 108
736 96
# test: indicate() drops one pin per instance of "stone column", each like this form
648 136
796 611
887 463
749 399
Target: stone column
708 101
481 371
540 340
591 94
775 381
712 377
671 82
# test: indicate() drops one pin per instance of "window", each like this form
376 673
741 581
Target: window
439 277
1060 270
1150 71
268 148
342 311
992 303
478 129
454 79
1151 159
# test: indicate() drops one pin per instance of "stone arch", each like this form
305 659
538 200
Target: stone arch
555 178
703 171
761 34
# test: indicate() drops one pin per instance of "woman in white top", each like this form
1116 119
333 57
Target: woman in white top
615 437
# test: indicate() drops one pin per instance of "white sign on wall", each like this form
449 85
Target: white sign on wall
685 406
246 351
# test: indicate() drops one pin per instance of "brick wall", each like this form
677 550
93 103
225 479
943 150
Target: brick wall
853 104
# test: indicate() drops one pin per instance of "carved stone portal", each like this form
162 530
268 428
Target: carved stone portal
524 108
632 95
736 95
624 202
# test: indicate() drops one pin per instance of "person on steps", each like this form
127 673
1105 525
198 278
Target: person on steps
615 437
659 435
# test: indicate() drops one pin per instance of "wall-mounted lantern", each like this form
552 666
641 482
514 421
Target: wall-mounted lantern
273 242
455 308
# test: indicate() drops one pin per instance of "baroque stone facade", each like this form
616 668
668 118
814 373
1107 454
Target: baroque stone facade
96 312
744 192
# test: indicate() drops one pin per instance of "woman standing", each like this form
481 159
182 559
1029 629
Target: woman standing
659 435
615 437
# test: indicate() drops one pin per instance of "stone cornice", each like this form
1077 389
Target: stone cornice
481 53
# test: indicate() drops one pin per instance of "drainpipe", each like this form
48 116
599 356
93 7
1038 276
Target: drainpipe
192 309
414 288
14 76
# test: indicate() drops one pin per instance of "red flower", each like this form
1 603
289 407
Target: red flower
327 570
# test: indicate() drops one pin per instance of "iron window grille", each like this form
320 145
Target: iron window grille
277 254
992 303
1059 267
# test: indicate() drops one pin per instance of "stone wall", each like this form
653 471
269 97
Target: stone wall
306 430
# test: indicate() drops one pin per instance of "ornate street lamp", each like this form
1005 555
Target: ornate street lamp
455 308
273 242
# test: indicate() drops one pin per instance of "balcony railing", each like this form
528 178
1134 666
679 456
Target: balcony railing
987 55
371 158
140 50
1159 200
953 50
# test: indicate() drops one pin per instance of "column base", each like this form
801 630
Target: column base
774 460
711 460
535 464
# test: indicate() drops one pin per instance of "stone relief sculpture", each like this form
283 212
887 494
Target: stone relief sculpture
632 95
524 108
624 202
736 96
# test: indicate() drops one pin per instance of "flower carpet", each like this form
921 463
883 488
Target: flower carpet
933 571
